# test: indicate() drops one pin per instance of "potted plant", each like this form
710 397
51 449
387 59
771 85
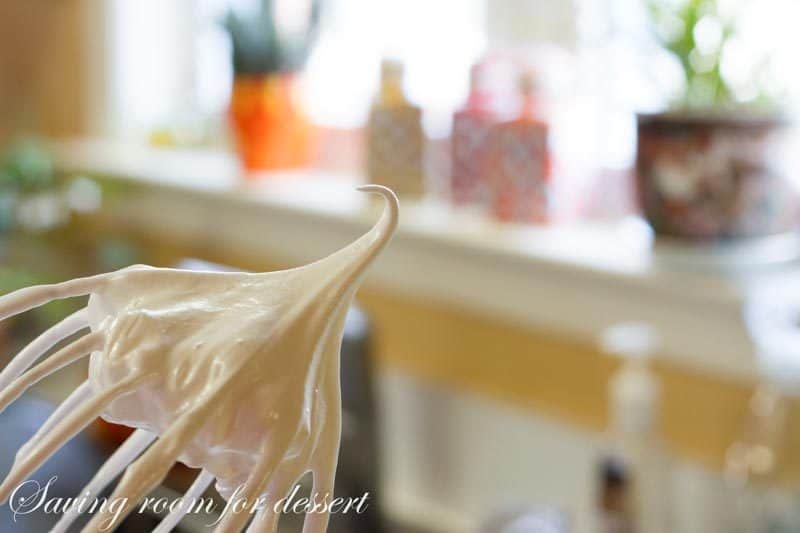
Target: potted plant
707 168
29 194
269 47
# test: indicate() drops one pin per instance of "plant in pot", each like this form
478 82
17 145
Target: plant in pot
708 169
269 47
30 196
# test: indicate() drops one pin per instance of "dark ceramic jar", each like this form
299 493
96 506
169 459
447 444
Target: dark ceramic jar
702 177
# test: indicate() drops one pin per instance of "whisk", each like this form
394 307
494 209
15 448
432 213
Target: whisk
233 373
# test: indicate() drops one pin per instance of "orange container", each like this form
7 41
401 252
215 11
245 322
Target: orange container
270 128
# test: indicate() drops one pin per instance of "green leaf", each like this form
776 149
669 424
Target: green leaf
258 47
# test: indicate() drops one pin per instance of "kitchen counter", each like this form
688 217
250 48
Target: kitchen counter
577 278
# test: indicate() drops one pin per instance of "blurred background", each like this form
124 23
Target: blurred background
588 320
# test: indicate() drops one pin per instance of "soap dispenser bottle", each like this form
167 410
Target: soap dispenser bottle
395 138
472 125
634 397
519 165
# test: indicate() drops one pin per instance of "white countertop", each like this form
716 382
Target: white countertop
575 278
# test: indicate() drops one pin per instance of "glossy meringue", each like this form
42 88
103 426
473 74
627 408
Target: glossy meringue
234 373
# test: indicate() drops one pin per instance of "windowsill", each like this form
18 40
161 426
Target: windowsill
575 279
